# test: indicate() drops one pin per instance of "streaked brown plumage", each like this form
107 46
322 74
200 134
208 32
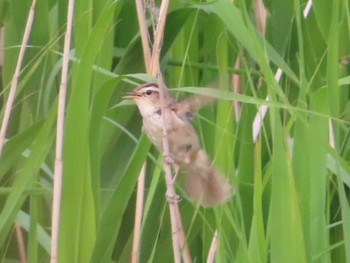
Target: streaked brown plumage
201 181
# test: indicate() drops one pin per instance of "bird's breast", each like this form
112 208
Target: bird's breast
182 138
154 129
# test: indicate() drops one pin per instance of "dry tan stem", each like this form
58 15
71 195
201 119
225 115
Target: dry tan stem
260 16
171 195
14 81
186 256
56 203
178 235
140 185
212 250
138 215
154 70
158 38
20 242
144 34
176 223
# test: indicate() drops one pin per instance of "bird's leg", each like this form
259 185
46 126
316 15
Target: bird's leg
174 198
168 159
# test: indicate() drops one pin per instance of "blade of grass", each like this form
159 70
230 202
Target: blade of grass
257 241
309 165
14 81
77 221
43 238
317 144
333 69
110 222
287 244
27 169
16 146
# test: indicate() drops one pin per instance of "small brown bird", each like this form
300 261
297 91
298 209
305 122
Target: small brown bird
201 181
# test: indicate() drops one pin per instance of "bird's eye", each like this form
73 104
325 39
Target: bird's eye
149 92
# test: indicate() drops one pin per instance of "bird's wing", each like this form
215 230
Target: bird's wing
185 109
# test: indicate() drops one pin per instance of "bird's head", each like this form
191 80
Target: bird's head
146 97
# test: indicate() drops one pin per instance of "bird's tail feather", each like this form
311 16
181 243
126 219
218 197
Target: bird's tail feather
203 184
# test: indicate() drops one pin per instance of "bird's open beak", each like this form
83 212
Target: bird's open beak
129 95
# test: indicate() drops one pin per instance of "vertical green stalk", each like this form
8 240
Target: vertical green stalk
287 243
32 251
301 158
333 71
224 117
257 241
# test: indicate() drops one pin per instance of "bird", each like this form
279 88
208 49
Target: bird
200 180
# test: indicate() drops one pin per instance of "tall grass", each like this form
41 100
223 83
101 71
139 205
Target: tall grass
291 182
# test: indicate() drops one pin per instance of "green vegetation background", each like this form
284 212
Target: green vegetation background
291 200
